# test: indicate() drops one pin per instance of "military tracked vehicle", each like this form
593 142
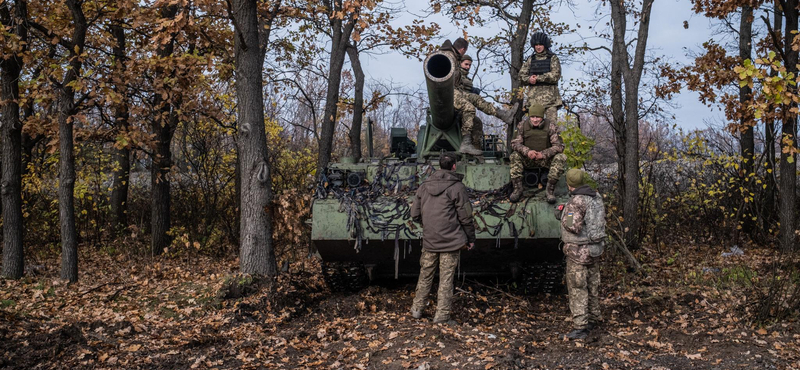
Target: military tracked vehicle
361 224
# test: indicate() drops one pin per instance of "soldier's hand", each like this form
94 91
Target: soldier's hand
532 154
471 245
539 155
532 80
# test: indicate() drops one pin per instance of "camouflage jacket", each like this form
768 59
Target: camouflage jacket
575 229
556 144
466 82
545 92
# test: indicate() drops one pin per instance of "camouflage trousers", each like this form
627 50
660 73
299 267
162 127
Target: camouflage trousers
467 103
583 283
448 262
557 165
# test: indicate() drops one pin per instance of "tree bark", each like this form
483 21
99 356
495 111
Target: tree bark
747 138
65 105
163 128
631 76
121 155
340 34
788 164
14 17
257 255
358 103
517 45
769 135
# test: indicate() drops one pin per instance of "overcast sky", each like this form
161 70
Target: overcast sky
668 37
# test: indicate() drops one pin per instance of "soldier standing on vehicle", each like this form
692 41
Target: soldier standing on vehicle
537 144
583 231
473 97
540 74
442 206
465 104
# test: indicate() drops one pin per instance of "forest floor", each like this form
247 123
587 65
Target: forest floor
688 310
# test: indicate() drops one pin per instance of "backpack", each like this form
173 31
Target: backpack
595 225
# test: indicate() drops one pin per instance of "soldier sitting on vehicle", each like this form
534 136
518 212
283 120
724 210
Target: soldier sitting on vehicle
536 144
583 231
467 104
472 94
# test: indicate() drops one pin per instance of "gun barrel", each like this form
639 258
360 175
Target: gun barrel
440 75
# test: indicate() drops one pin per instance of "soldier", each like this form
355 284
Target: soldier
472 95
583 225
443 208
541 73
537 144
464 103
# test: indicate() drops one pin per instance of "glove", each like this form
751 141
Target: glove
476 90
558 210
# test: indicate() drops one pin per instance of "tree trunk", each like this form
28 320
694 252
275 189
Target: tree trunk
788 166
631 76
163 128
747 138
65 105
11 131
358 103
768 214
340 34
121 155
256 250
517 45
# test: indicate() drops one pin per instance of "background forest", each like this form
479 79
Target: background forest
179 141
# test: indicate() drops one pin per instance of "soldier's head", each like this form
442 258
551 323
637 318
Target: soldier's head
447 161
461 45
540 42
535 114
574 178
466 62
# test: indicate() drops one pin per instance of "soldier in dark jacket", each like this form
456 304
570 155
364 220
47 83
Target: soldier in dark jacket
443 208
583 231
540 74
537 144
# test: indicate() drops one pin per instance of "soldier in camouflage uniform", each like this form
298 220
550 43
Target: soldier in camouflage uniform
466 103
583 231
540 74
475 100
537 144
442 206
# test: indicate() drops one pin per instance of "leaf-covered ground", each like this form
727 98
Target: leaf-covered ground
689 310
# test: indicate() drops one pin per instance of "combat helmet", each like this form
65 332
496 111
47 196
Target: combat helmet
541 38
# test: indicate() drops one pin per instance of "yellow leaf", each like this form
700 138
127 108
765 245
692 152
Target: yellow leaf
133 347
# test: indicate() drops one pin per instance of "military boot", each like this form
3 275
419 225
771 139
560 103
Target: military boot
517 193
507 115
467 147
551 188
477 139
577 334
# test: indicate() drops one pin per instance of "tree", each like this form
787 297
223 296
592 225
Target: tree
256 250
13 16
122 153
625 110
342 16
65 107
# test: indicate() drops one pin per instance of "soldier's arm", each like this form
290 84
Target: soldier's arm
554 75
416 211
524 73
464 210
516 142
556 143
572 218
